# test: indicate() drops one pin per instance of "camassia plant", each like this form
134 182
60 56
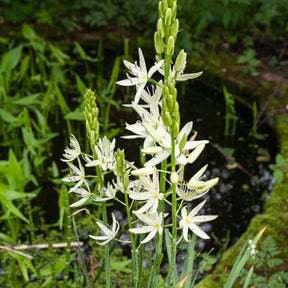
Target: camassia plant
156 197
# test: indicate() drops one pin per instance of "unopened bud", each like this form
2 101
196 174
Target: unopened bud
180 61
183 142
161 10
195 153
167 119
158 42
174 178
167 18
160 27
152 150
152 132
170 46
143 171
174 28
165 4
174 10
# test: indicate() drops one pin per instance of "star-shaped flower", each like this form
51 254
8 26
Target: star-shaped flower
165 144
108 233
189 221
73 152
105 155
83 193
150 195
154 225
141 76
78 175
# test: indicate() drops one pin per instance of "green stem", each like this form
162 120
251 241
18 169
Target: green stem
135 264
159 239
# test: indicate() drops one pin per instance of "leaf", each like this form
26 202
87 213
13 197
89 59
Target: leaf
11 208
11 59
28 32
80 85
75 115
121 265
28 100
7 116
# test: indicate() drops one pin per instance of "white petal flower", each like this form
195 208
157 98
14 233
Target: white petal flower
150 195
179 154
105 155
83 193
73 152
189 221
78 175
108 233
140 73
154 225
108 192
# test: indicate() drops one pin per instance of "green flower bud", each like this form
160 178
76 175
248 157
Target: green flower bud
183 142
167 119
170 46
91 114
167 18
161 10
125 181
180 61
174 28
158 42
173 10
160 27
170 101
174 178
165 4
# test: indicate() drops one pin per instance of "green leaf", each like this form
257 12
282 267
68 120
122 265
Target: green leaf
75 115
11 208
7 116
11 59
28 32
28 100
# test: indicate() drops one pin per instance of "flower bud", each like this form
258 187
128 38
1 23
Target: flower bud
160 27
167 119
161 10
173 10
152 150
158 42
167 18
170 46
180 61
152 132
195 153
174 28
165 4
143 171
174 178
183 142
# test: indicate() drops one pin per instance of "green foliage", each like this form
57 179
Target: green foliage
280 168
248 57
267 266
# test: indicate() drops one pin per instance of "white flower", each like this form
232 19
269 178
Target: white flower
81 192
150 195
154 225
78 175
109 233
108 192
73 152
189 221
179 154
140 73
180 76
105 155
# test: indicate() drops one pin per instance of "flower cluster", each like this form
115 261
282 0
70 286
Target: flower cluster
160 145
